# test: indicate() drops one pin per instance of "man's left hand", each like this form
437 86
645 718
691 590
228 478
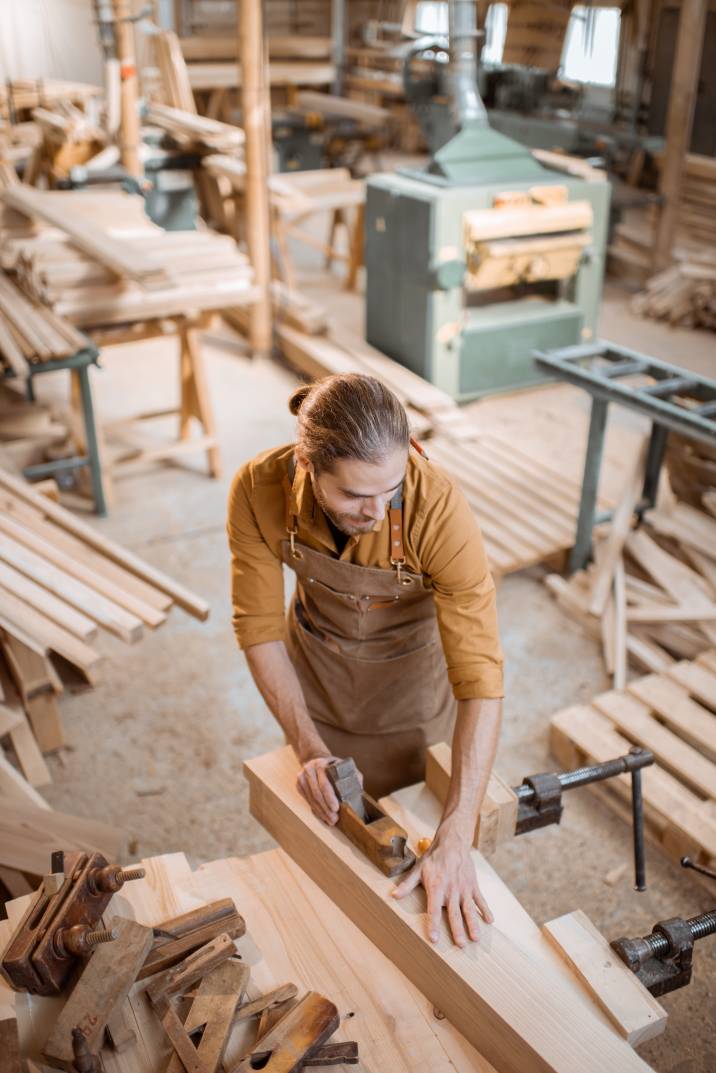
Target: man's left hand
447 873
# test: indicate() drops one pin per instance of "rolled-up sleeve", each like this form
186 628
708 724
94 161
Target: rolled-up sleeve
256 572
453 555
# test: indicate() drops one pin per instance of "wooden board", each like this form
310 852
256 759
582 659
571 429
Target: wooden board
498 815
524 1020
635 1012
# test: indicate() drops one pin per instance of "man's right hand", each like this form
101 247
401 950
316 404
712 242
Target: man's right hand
313 783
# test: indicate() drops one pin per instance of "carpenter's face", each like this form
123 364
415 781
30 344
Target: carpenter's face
355 495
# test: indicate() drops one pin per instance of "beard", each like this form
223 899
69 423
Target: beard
349 524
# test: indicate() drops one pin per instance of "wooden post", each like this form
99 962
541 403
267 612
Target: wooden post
255 105
129 120
679 122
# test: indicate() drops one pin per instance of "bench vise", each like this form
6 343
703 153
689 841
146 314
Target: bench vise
61 924
663 959
363 821
539 798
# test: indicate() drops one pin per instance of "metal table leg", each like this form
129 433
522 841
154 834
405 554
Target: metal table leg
654 459
582 550
92 441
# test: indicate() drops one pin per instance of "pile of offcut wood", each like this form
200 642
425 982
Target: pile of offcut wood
684 294
61 581
650 594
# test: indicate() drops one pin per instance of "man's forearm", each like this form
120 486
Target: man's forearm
474 746
278 683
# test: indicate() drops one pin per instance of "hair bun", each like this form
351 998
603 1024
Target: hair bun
298 397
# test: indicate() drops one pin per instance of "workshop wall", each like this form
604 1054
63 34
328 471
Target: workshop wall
49 39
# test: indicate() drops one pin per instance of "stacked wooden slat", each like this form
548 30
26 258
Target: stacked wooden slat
61 582
23 94
107 267
672 713
195 132
650 595
683 294
30 333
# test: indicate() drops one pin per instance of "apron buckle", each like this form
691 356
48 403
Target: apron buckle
296 553
399 564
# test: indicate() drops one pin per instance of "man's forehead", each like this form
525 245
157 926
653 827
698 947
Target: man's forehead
361 478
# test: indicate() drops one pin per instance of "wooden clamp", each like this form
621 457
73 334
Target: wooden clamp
294 1039
363 821
52 934
179 936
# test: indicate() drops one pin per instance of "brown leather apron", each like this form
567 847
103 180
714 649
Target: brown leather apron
367 651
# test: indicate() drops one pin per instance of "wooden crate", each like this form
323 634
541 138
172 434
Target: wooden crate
674 715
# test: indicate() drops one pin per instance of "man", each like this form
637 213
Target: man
389 564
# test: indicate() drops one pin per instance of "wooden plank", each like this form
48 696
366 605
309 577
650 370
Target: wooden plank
618 532
633 1010
14 787
99 598
48 604
35 680
14 613
498 815
663 694
29 834
126 260
682 583
31 761
699 678
101 989
635 720
522 1020
77 585
191 603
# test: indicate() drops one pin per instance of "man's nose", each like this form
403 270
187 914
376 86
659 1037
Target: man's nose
374 509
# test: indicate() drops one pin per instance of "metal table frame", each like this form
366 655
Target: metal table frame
79 363
599 368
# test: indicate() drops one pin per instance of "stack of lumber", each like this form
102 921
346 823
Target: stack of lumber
102 268
683 294
61 580
30 333
650 594
22 94
672 713
174 79
692 469
697 198
193 132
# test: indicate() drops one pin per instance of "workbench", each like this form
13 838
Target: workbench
295 933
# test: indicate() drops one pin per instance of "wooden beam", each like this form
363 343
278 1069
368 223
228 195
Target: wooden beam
522 1017
129 115
498 815
255 106
627 1003
679 122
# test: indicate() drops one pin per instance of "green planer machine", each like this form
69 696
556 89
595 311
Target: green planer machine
486 255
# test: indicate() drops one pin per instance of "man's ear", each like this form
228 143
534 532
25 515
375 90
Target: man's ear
304 462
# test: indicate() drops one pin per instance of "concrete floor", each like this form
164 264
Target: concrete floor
158 747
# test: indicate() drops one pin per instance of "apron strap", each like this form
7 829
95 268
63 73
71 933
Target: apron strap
395 528
289 482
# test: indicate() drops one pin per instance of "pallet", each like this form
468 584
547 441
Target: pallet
674 715
526 510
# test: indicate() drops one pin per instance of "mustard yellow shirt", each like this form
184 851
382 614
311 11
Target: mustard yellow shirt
442 541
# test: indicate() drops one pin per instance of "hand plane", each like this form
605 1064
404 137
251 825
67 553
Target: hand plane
363 821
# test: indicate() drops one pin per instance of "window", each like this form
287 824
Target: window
495 32
591 45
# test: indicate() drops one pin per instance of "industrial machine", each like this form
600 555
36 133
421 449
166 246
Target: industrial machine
486 255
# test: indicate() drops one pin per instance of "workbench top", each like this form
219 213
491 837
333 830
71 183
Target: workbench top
294 934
